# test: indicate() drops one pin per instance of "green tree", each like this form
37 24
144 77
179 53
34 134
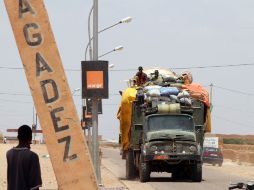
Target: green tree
1 136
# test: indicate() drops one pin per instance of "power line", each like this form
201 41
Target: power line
12 68
176 68
13 115
215 66
22 94
234 91
232 109
197 67
15 101
234 122
14 94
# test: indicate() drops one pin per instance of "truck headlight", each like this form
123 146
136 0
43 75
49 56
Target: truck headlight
193 148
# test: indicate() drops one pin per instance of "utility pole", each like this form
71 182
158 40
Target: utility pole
211 95
95 143
34 125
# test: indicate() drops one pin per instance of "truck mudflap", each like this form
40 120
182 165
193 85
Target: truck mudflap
173 159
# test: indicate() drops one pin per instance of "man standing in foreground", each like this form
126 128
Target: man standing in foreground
23 167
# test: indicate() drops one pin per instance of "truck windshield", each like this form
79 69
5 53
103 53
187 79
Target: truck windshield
171 122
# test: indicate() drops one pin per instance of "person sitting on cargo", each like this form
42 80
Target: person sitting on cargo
157 78
133 82
187 77
141 77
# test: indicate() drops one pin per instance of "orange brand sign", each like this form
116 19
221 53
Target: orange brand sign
94 79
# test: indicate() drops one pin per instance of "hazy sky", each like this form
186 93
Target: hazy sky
163 33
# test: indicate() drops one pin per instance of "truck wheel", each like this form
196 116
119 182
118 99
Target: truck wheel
176 175
130 166
197 172
144 171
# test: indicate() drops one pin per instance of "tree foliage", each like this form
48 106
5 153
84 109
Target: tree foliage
237 141
1 136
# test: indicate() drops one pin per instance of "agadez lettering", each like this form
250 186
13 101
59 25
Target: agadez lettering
25 7
34 38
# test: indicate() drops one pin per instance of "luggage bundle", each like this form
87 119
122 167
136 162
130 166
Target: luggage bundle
168 94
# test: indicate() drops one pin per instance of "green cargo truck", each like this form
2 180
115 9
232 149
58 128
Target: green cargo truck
166 141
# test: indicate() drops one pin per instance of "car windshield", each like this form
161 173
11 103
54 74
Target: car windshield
171 122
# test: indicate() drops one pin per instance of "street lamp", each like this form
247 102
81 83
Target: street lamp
118 48
111 66
74 91
124 20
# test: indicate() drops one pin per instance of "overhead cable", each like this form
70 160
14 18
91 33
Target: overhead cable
234 122
176 68
233 90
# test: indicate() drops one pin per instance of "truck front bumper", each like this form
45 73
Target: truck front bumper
173 159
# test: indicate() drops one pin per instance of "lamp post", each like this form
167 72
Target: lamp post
94 57
74 91
118 48
95 144
35 121
111 66
125 20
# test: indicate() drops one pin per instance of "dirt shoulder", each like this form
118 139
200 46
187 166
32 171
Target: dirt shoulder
243 170
48 177
110 179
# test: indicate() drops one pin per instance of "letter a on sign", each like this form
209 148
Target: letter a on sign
58 117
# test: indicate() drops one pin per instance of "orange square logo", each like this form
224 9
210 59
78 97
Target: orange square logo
94 79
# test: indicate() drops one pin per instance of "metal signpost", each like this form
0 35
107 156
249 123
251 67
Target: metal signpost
95 86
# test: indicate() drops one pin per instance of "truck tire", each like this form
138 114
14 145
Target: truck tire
144 171
197 172
176 175
130 166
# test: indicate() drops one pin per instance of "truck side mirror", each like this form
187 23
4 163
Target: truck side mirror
138 127
140 137
198 128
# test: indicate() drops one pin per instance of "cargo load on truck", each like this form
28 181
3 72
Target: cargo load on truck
159 118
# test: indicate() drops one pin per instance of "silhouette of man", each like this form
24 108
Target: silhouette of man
23 167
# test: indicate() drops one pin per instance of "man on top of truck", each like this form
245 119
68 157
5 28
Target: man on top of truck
141 77
156 78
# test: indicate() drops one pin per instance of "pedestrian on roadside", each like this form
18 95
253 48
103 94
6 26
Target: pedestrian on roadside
23 167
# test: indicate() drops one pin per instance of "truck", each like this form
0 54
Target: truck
160 133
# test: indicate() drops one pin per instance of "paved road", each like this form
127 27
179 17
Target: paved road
213 177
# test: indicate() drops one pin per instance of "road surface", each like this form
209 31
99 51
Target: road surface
214 178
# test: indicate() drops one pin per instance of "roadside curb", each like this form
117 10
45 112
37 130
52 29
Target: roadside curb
110 181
